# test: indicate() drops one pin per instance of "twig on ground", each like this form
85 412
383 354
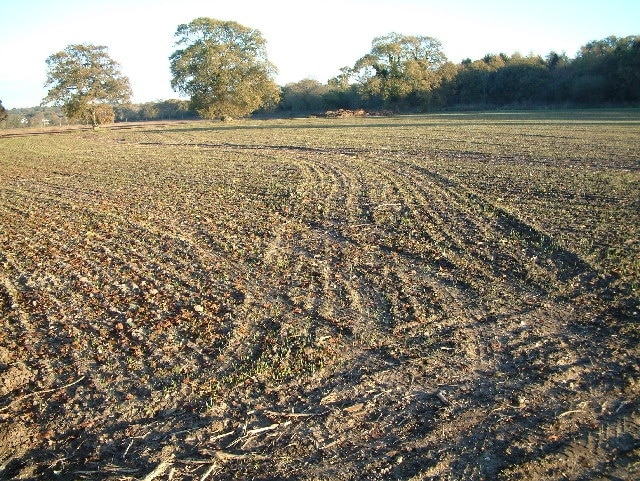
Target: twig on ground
251 432
208 472
110 468
331 444
124 455
622 405
44 391
440 395
221 455
194 461
159 471
295 415
566 413
223 435
224 456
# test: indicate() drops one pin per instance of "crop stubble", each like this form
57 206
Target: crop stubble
401 298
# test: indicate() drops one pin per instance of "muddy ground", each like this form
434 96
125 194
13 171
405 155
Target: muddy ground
391 299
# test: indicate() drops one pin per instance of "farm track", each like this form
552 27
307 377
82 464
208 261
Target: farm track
191 303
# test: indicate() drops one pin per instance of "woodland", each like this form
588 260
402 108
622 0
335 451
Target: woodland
604 73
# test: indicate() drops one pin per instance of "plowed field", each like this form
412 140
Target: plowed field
428 297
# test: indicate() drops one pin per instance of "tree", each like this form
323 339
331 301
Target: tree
472 83
342 93
223 68
104 114
627 55
400 65
3 112
608 70
85 81
174 109
520 80
149 111
307 95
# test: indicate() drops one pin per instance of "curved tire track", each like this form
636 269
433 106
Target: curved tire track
369 308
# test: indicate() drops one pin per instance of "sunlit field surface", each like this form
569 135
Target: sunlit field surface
445 296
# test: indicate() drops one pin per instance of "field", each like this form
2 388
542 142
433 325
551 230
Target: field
414 297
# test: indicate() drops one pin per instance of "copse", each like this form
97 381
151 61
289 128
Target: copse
411 73
223 67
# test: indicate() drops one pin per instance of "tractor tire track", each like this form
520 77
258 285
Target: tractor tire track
345 312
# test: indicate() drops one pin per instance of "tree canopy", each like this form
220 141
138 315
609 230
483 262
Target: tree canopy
86 82
307 95
3 112
399 66
223 67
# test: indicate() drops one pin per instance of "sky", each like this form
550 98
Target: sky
305 39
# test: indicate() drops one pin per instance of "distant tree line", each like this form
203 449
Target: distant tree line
411 74
161 110
33 117
42 116
223 68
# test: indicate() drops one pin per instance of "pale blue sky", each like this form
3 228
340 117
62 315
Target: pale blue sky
305 39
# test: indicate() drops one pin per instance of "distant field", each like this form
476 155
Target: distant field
448 296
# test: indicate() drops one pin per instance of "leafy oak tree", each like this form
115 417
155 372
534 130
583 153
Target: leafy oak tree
399 66
86 82
223 67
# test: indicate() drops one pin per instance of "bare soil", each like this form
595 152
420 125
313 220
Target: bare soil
406 298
